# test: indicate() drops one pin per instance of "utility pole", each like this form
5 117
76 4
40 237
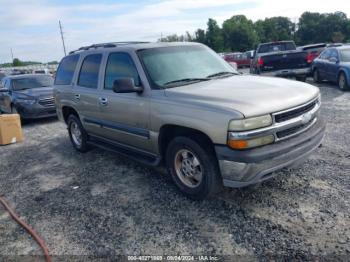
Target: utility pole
64 46
11 54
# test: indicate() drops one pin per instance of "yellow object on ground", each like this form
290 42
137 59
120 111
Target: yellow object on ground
10 129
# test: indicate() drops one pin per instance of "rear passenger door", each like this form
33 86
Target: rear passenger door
86 93
125 116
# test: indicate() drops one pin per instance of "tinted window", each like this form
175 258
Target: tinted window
120 65
88 76
276 47
31 82
66 70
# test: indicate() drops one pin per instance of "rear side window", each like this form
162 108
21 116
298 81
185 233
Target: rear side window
65 71
90 68
120 65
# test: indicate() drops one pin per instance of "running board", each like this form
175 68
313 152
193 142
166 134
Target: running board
133 153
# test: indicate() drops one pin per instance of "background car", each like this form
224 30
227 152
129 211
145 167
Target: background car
31 96
333 65
241 59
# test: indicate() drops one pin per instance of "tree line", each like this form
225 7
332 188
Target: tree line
239 33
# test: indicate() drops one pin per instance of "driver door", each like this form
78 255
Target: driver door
125 116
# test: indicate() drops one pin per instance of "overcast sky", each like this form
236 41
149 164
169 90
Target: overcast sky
30 27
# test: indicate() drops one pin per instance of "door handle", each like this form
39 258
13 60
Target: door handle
103 101
77 97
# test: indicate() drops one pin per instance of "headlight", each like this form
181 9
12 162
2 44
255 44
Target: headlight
249 143
250 123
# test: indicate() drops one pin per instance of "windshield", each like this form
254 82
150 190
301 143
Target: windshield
345 55
181 65
32 82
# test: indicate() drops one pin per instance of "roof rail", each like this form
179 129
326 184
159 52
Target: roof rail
106 45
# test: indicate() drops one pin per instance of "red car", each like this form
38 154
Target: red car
241 59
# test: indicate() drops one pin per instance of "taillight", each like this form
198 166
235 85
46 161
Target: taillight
309 58
260 62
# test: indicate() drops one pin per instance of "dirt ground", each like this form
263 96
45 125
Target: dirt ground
101 204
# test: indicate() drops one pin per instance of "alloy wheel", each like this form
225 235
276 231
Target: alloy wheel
188 168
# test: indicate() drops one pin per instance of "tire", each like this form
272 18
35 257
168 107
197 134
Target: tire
342 82
77 134
316 76
186 157
301 78
14 110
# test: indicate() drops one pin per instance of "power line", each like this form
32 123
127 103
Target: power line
64 46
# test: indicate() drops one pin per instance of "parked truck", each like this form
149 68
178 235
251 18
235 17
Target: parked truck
281 59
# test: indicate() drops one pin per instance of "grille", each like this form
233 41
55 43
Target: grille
47 102
293 130
281 117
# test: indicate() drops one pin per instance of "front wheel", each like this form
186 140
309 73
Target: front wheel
193 168
77 134
316 76
342 83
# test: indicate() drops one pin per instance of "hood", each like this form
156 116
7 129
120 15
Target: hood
37 92
250 95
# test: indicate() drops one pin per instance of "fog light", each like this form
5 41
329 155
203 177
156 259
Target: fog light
250 143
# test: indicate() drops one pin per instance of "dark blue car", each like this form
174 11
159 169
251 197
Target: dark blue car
333 65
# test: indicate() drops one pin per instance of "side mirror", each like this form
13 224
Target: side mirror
333 59
126 85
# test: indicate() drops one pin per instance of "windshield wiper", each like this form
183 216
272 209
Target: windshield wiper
186 80
222 74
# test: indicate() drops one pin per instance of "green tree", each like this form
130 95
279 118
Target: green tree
316 27
200 36
214 37
17 62
275 29
239 34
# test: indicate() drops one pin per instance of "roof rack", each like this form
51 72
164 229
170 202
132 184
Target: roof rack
106 45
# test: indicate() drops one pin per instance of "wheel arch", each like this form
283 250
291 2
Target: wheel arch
170 131
68 110
346 73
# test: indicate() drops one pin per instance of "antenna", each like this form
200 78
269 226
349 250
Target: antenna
64 46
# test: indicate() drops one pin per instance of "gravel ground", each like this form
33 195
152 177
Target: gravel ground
101 204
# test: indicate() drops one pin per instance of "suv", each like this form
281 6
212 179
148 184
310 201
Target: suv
182 106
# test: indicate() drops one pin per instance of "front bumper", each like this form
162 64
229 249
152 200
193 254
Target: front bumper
35 111
288 72
246 167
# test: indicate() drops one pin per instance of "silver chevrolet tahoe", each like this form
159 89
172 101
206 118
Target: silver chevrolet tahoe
182 106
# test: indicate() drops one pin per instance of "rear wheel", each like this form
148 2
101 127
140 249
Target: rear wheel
316 76
77 134
342 83
193 169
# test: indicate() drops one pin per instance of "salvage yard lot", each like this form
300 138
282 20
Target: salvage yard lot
101 204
